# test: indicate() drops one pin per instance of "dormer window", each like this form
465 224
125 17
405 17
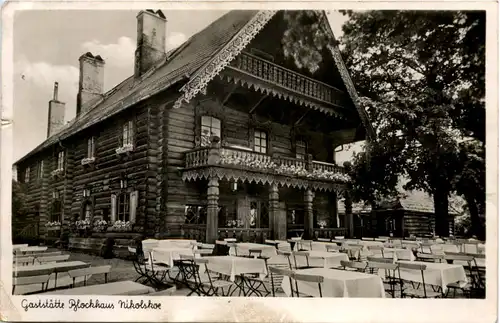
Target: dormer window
210 126
27 174
260 141
300 149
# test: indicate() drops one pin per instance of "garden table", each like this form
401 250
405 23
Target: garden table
176 243
168 255
243 249
436 274
26 250
321 245
115 288
338 283
398 254
322 259
232 266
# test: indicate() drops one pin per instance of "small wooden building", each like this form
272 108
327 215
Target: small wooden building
222 136
410 215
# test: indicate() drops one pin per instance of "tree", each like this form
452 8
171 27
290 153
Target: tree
18 200
421 76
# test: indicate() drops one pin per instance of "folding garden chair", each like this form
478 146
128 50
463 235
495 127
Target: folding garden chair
88 272
307 278
359 266
276 275
417 292
392 276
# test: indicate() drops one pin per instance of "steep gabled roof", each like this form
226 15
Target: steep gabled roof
417 201
181 63
197 61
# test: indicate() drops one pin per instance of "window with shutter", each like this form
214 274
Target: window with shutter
300 149
260 141
91 147
123 207
27 174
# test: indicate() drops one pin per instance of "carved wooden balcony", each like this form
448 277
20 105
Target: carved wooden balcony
241 164
276 76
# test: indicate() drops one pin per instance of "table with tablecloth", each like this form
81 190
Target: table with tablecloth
338 283
27 250
233 266
321 259
243 249
121 288
441 248
322 245
397 253
168 255
437 274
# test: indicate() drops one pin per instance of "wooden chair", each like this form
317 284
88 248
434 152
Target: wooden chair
287 255
166 292
43 260
233 240
359 266
333 248
307 278
23 261
450 257
392 276
379 260
254 253
271 243
303 254
304 243
429 257
377 250
207 284
479 276
417 292
353 251
23 278
275 272
86 273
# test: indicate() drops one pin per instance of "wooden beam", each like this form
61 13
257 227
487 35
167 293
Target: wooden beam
301 118
257 104
228 95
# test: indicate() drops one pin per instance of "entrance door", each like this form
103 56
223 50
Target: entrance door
253 212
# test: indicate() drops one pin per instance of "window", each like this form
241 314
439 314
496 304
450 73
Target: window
195 214
55 214
128 133
91 147
27 174
260 142
60 160
300 149
210 126
123 207
39 170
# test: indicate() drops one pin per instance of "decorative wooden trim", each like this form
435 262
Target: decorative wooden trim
260 178
225 55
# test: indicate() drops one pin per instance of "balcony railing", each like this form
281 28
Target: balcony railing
250 160
286 78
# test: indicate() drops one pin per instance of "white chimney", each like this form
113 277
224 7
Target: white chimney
57 110
91 83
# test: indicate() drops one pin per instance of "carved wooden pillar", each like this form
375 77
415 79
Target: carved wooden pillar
277 219
349 221
309 217
212 209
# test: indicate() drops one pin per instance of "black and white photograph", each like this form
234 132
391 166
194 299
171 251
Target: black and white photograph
336 153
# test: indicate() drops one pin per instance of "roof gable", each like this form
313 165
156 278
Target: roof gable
198 60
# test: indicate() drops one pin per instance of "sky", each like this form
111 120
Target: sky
48 43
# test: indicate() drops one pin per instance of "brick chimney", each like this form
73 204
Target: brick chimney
91 84
150 40
56 113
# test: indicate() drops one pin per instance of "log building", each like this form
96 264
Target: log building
222 136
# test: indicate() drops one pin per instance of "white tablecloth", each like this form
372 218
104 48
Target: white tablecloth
399 254
168 255
473 248
31 249
321 246
338 283
322 259
440 249
243 249
176 243
115 288
233 266
437 274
